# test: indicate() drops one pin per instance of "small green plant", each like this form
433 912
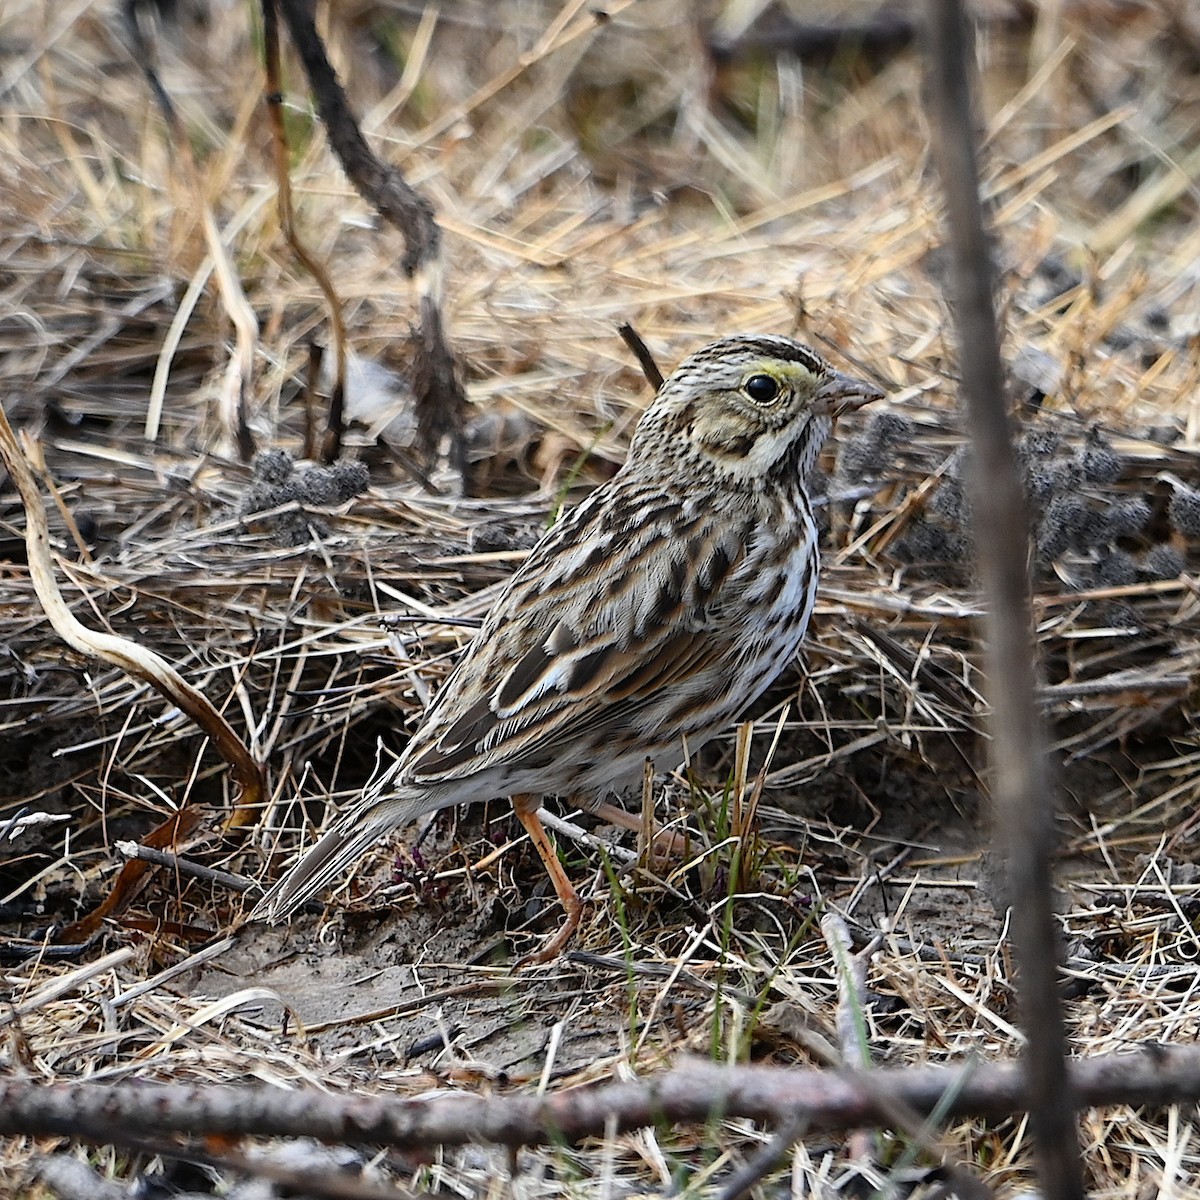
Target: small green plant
617 892
795 940
572 475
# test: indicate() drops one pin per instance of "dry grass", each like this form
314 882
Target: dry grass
613 176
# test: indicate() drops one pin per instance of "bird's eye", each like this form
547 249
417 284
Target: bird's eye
762 389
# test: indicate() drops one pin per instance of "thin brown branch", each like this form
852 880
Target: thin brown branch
1022 783
440 399
316 353
695 1092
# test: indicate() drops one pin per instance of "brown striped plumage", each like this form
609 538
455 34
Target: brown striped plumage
652 613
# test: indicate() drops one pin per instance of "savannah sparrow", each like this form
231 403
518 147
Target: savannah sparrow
654 612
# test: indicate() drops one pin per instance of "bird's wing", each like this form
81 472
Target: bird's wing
618 607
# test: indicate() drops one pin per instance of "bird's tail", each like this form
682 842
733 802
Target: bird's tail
341 845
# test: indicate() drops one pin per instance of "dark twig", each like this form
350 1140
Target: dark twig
441 401
331 444
787 1133
185 867
23 951
1022 784
408 465
378 183
633 339
130 879
693 1093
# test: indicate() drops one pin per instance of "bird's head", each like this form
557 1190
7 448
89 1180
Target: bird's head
754 408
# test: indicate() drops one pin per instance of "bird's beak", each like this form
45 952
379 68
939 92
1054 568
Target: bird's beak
842 393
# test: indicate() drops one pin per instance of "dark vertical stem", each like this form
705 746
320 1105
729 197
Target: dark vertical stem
331 444
633 339
441 401
1022 786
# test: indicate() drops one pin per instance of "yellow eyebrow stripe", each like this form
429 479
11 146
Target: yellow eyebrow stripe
795 371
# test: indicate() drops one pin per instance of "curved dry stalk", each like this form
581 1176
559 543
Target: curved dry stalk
170 832
136 660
